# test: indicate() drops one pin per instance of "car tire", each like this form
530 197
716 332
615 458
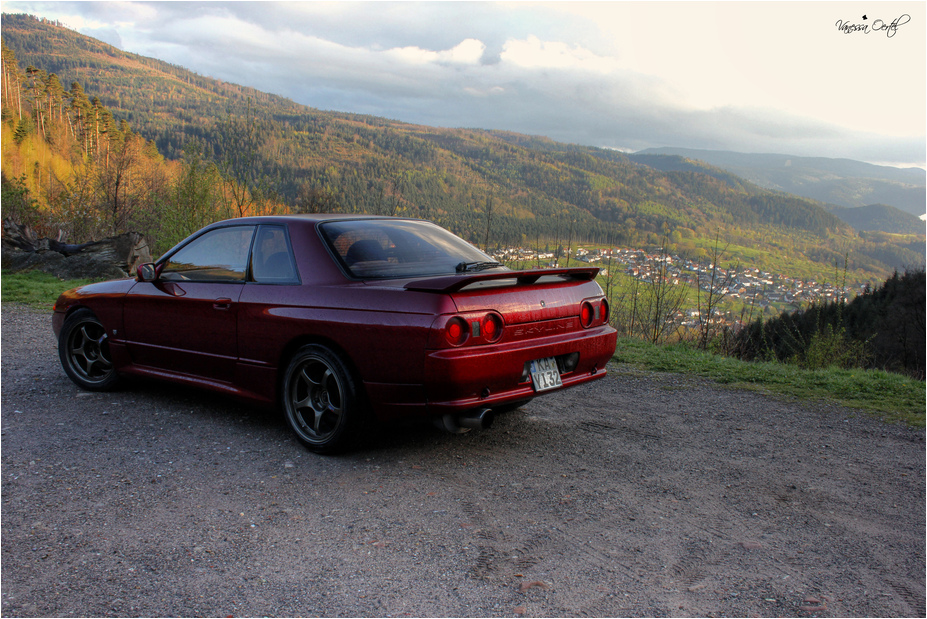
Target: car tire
321 400
83 348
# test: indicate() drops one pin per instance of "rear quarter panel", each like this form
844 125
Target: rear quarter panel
381 332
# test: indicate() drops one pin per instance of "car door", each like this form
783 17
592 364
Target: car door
186 320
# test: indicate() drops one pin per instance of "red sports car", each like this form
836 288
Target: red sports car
338 317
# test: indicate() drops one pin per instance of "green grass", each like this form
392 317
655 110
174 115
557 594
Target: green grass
891 397
35 288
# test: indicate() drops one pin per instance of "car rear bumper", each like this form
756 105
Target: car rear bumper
458 380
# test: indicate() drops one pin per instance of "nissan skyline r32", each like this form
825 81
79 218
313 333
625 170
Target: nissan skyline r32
341 320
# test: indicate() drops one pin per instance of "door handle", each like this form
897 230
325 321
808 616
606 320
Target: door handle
222 304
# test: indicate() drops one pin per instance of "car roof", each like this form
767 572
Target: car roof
311 217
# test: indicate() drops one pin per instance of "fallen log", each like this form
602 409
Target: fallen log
111 257
68 249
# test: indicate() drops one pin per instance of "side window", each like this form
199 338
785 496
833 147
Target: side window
220 255
272 258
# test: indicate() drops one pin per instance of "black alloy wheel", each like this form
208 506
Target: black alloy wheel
83 348
321 400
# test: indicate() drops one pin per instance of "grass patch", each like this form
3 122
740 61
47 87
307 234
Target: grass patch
35 288
892 397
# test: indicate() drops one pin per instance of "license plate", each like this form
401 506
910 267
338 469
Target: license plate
545 375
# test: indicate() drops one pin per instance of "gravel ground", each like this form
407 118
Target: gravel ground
641 495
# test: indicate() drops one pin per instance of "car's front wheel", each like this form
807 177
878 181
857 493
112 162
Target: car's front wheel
321 399
83 347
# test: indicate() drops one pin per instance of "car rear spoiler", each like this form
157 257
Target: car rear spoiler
455 283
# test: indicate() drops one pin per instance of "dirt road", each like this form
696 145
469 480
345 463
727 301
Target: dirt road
641 495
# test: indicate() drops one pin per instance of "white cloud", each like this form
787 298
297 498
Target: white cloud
470 51
484 92
784 55
532 53
467 52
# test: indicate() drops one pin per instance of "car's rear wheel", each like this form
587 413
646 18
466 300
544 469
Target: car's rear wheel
83 347
321 399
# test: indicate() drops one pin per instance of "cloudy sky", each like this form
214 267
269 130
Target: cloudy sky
832 79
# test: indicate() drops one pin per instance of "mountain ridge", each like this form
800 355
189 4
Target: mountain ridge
878 218
842 182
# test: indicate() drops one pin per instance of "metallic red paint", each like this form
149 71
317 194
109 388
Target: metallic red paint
238 337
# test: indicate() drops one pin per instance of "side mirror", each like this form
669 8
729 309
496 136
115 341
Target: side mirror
147 272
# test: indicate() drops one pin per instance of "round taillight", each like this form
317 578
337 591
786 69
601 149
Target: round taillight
456 331
604 313
586 313
492 327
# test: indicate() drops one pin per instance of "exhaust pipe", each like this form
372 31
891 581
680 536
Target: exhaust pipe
480 419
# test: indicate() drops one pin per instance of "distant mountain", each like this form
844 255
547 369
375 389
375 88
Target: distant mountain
843 182
879 218
679 163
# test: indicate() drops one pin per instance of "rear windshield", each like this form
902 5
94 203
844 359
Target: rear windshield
384 248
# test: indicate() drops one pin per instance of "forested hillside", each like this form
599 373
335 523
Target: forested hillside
842 182
879 218
882 328
140 143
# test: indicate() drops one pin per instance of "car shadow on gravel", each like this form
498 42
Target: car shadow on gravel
205 408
